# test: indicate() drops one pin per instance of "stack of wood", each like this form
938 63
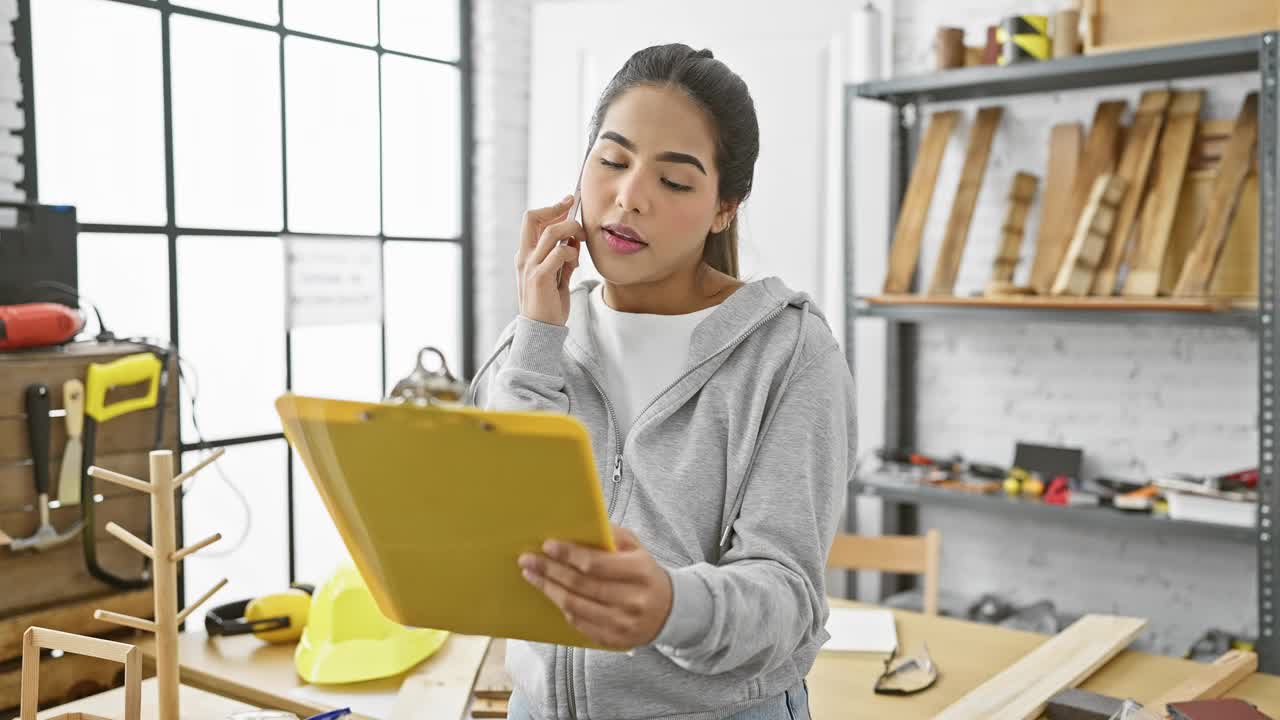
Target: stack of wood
1165 207
53 589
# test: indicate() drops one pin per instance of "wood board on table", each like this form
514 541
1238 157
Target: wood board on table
1022 690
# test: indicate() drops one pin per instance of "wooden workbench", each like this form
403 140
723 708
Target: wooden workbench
247 669
967 654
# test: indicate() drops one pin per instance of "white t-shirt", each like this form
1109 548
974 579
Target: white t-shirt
642 354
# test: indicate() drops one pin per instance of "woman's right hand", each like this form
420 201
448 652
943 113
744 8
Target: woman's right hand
540 258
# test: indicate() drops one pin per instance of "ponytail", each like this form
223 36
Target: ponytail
721 249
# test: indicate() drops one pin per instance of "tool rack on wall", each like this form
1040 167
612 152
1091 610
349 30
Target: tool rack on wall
908 96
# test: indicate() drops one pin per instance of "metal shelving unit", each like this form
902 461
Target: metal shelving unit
1253 53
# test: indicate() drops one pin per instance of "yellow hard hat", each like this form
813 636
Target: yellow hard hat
348 639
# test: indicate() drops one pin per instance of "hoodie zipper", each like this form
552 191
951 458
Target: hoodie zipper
568 679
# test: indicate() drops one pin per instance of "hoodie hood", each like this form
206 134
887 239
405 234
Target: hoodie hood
743 312
746 310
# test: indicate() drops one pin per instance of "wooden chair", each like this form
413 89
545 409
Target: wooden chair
913 554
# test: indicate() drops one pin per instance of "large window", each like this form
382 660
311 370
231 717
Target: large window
191 135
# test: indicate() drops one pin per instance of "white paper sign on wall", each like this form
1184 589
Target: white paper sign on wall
332 280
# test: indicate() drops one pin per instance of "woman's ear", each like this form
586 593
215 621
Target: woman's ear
724 216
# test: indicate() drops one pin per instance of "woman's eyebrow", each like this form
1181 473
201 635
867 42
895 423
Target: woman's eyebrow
669 156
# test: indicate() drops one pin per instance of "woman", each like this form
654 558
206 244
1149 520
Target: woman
720 412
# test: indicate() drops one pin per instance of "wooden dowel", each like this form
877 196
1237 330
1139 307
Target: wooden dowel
125 620
130 482
182 616
185 476
180 554
131 540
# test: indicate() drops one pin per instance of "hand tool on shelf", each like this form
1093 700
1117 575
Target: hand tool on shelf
73 453
1237 485
1020 481
1013 483
983 470
99 380
40 324
1033 486
903 456
1058 492
1140 500
46 537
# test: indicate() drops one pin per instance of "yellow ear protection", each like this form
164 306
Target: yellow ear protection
275 618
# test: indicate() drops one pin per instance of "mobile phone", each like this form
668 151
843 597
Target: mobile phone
573 214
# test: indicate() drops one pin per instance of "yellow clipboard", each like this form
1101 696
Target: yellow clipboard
435 505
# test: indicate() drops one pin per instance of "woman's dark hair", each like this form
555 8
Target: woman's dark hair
724 97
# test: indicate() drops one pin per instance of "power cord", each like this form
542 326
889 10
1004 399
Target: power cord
190 382
104 335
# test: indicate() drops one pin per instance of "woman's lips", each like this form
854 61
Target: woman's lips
621 244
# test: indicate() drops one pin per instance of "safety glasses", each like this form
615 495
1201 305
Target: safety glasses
907 675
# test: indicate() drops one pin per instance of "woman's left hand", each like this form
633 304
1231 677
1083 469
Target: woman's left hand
618 599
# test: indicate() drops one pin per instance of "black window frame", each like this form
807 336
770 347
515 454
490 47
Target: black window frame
171 231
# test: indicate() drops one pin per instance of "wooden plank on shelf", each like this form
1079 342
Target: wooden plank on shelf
1210 143
1212 235
1055 231
1094 229
1101 149
905 251
1135 163
1133 24
1039 302
957 232
1022 193
1211 681
1236 275
1161 200
1193 205
1070 657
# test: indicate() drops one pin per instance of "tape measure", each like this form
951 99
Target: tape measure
1023 38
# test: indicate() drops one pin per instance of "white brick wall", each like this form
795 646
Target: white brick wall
501 48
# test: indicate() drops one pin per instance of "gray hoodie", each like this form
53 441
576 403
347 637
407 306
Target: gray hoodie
733 478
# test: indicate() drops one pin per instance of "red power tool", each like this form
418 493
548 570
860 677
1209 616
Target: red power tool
38 325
